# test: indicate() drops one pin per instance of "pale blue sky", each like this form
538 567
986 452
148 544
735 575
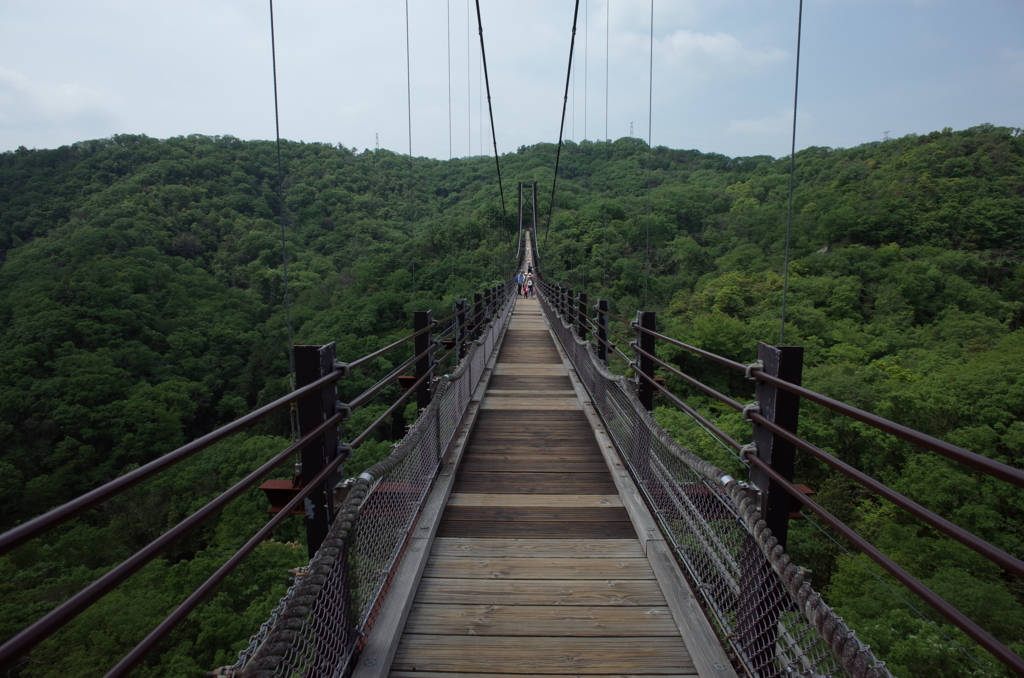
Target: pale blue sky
723 71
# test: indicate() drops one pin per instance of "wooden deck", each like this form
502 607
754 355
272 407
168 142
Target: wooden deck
535 556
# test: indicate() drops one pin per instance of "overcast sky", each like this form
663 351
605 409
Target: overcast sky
72 70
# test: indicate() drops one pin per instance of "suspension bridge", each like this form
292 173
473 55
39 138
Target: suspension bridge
536 520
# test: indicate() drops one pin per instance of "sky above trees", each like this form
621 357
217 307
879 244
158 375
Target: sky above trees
723 71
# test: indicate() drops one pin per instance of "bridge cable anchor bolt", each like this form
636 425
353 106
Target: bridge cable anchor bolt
749 371
753 407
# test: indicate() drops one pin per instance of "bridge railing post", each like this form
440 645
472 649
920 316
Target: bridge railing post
478 314
758 619
782 407
311 363
422 320
460 329
581 315
601 320
568 310
643 364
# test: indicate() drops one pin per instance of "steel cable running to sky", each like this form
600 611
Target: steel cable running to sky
792 170
561 127
490 111
280 205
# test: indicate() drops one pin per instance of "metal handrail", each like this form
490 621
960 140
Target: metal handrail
993 553
972 459
27 531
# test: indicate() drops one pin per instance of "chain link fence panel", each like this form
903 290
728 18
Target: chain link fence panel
318 627
760 604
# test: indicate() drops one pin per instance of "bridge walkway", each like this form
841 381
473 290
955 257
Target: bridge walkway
534 566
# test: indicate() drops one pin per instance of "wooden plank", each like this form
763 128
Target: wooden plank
538 382
550 620
576 456
533 393
433 674
559 484
540 548
528 370
530 405
494 462
551 448
461 499
527 530
533 592
538 568
557 514
508 655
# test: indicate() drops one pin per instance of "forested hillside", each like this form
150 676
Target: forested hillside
142 304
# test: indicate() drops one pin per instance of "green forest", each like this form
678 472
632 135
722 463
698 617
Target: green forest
142 304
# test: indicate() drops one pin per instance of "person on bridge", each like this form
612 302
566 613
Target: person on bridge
529 284
519 283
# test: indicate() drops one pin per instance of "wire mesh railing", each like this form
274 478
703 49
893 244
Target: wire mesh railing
761 605
318 626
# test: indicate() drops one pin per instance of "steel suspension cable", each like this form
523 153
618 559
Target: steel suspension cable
280 205
451 200
561 128
650 119
490 111
408 99
792 170
607 44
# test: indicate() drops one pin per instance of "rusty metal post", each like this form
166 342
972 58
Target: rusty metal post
421 320
601 318
568 308
643 364
311 363
581 315
783 408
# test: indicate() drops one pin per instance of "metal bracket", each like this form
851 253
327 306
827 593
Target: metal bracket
749 448
759 365
747 409
345 409
338 365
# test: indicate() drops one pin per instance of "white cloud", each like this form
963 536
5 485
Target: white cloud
775 127
699 52
38 107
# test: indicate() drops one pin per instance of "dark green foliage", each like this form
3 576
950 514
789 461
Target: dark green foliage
142 305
